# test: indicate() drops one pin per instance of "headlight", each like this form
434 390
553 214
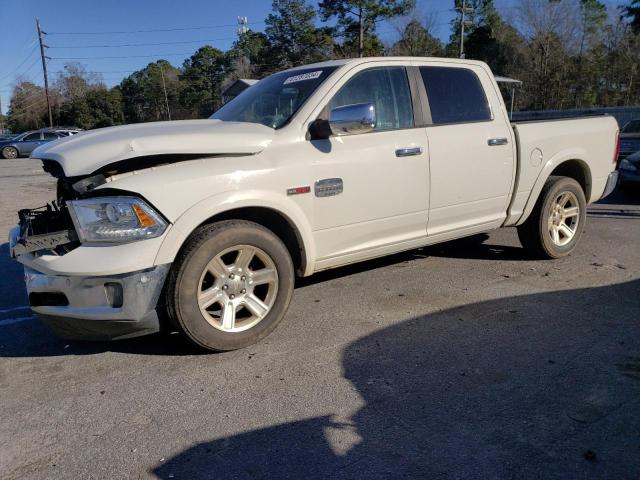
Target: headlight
115 219
627 165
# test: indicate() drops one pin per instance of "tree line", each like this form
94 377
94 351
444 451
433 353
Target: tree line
568 54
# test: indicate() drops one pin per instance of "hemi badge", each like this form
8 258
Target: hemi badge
298 190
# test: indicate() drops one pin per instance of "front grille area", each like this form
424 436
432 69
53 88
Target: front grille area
46 228
47 219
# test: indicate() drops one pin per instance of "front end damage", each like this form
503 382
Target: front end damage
74 304
47 228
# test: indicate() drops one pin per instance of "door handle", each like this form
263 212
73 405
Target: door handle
494 142
407 152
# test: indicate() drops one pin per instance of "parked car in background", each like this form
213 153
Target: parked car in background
629 171
67 131
22 145
630 139
6 136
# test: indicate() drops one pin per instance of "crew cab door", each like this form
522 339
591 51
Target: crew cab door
378 180
470 147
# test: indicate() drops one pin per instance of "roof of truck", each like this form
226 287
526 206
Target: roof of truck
356 61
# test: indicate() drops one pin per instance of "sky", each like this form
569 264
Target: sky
79 31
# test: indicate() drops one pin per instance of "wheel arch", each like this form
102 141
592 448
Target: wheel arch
572 167
579 171
284 218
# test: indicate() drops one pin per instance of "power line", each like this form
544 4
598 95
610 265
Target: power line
205 27
98 71
125 56
24 110
144 44
33 50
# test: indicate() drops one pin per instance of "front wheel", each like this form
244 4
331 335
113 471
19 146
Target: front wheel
9 153
557 220
230 286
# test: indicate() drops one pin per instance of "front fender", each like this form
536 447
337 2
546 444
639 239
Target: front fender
231 200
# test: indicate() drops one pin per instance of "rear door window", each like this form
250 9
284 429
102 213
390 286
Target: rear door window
51 136
455 95
32 137
387 89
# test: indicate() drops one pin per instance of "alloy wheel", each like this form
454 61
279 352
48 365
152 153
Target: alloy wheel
563 218
237 288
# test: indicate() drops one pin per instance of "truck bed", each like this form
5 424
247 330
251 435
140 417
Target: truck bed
542 145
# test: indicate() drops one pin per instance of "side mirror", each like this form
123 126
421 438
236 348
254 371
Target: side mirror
353 119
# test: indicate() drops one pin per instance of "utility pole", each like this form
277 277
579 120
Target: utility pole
242 69
242 25
361 31
164 87
463 12
44 70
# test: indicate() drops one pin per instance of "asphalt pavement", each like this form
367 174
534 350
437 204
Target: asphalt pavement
462 360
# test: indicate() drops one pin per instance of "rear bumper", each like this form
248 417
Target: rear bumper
612 181
98 307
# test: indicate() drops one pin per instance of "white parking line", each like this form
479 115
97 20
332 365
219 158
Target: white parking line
11 321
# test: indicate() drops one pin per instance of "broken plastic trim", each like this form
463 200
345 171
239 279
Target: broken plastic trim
90 183
44 228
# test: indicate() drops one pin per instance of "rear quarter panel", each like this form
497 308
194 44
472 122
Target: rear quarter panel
544 145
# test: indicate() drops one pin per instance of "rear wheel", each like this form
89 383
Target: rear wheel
231 285
557 221
9 153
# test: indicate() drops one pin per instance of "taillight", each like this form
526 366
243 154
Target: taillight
616 153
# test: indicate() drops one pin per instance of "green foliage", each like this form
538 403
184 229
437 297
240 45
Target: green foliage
27 108
632 12
202 77
99 107
247 56
416 41
293 37
492 40
143 93
356 21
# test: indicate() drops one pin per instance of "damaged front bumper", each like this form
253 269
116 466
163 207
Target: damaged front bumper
97 307
100 292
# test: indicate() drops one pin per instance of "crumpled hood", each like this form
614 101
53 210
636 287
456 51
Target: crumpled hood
86 152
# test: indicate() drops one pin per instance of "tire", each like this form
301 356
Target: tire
544 233
231 264
10 153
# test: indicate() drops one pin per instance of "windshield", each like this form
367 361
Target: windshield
275 99
632 127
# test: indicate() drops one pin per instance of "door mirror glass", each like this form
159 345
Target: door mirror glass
353 119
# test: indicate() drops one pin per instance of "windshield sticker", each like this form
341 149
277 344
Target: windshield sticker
304 76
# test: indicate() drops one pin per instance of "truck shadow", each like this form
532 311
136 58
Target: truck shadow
467 248
28 337
518 387
12 291
23 335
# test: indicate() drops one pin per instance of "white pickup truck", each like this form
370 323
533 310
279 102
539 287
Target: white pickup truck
202 225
